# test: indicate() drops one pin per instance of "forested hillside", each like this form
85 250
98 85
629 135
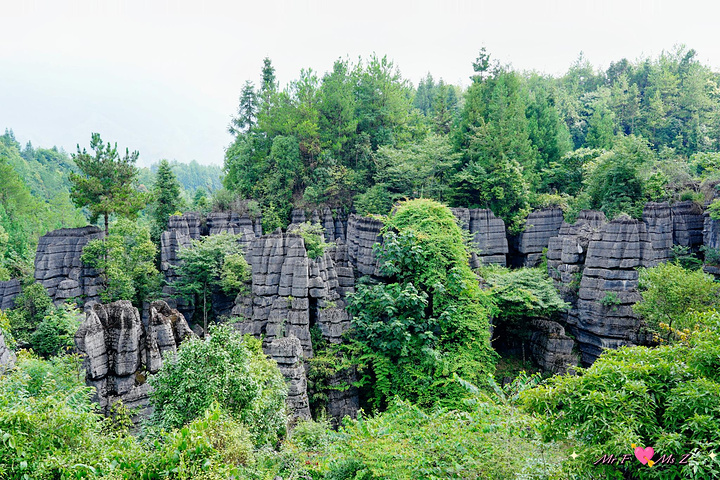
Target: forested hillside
362 136
513 279
36 196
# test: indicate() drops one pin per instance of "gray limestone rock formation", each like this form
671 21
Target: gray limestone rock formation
59 269
551 349
120 351
7 356
290 293
8 291
540 227
658 218
688 223
182 229
334 222
609 286
488 234
231 222
566 254
362 234
711 241
288 353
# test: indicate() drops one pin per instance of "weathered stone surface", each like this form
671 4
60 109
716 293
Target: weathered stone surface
59 269
362 234
660 222
288 353
540 227
290 293
551 349
7 356
711 232
8 291
333 221
182 229
231 222
120 351
688 223
609 286
488 233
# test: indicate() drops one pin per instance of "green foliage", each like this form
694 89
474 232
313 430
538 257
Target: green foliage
126 262
228 369
30 309
106 184
523 293
55 335
167 198
665 397
613 180
685 258
314 236
235 273
610 300
429 321
23 215
202 269
50 429
671 295
485 441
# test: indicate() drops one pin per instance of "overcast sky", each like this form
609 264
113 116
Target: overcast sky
163 77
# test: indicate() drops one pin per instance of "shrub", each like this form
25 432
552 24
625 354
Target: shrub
228 369
314 236
55 334
666 397
671 294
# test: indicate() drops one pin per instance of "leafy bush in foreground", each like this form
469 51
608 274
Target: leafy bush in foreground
666 397
228 369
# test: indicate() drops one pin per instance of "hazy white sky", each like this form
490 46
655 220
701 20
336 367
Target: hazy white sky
163 77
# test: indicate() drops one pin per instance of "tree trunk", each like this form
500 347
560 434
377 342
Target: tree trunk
106 225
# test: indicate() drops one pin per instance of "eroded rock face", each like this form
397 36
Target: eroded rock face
711 240
182 230
334 222
7 356
289 294
488 233
540 227
120 351
8 291
609 286
362 234
594 264
551 349
688 224
231 222
288 353
59 269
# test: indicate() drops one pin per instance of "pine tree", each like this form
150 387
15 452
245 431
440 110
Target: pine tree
167 197
106 184
247 110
